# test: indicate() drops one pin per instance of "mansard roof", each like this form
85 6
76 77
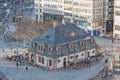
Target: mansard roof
61 34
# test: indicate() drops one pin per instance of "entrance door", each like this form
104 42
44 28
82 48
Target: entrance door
64 64
32 58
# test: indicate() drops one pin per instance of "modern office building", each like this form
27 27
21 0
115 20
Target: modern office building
20 1
86 13
108 12
116 28
1 0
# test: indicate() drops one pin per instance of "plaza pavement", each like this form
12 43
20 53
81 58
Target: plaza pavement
13 73
33 73
2 76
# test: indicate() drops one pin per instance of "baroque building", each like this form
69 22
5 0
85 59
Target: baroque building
60 45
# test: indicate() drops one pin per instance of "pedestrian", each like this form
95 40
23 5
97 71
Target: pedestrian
17 64
26 68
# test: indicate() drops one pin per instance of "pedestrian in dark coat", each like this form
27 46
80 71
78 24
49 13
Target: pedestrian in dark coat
26 68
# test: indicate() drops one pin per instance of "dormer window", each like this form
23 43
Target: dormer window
81 44
34 45
93 41
72 34
41 48
58 49
49 50
71 47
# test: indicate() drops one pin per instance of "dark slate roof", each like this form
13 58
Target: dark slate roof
61 34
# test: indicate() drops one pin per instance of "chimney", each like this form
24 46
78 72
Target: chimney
72 21
55 23
63 21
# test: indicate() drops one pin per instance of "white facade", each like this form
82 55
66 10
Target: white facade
117 19
85 12
59 62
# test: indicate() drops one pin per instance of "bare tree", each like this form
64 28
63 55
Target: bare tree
28 28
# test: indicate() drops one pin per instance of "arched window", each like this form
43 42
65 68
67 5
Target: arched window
82 54
76 56
58 60
71 57
50 62
88 54
39 59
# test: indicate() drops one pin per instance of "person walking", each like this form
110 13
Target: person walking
17 64
26 68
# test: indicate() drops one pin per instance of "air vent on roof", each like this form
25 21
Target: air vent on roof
72 34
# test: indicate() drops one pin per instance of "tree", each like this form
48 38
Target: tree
27 28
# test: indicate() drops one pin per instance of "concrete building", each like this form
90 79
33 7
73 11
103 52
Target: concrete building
108 13
116 32
1 0
19 1
87 13
62 45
